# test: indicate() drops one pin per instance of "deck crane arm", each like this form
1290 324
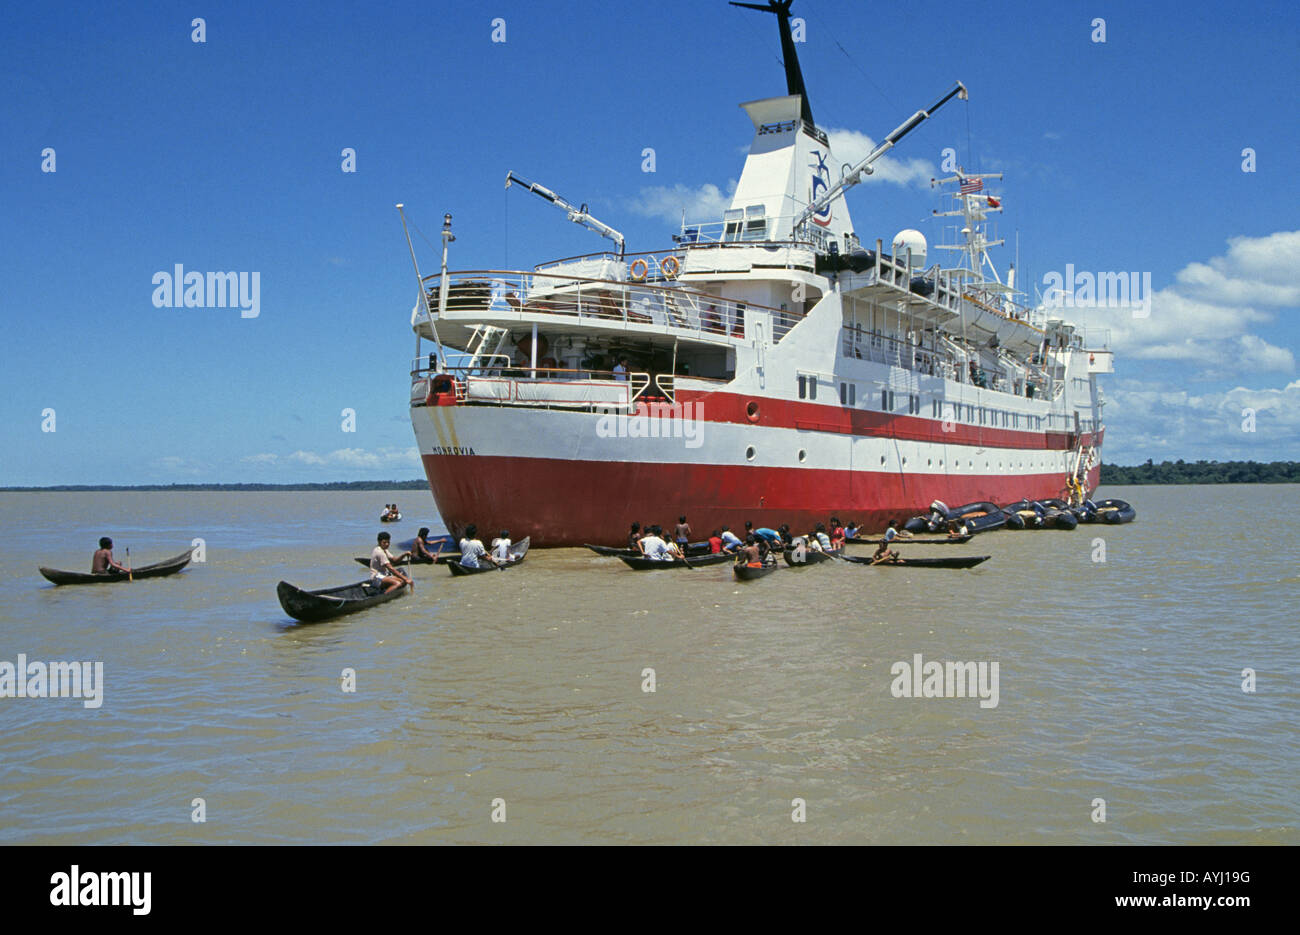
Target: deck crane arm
577 215
854 175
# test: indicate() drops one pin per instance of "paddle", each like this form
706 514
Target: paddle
129 577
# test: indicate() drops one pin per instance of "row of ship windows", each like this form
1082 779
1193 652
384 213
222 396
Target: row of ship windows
956 412
751 453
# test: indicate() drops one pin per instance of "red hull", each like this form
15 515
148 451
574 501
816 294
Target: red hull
568 503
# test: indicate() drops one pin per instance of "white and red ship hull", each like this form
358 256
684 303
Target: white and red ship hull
550 474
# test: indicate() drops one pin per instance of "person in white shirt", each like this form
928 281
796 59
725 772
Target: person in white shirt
383 567
620 369
730 542
501 547
472 553
654 547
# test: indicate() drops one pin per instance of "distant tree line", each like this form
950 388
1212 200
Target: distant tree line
336 485
1203 472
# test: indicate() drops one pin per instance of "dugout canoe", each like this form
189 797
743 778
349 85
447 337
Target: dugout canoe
956 540
441 559
961 561
641 563
810 557
518 551
328 603
157 570
745 573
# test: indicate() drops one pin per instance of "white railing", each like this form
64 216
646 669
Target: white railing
511 294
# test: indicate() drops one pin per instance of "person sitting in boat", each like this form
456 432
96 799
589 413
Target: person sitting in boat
851 529
682 534
751 554
891 532
383 567
501 548
654 547
634 537
420 551
715 542
730 542
884 554
837 533
957 528
472 553
823 541
102 562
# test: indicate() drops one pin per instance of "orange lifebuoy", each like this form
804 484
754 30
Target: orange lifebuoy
639 269
671 266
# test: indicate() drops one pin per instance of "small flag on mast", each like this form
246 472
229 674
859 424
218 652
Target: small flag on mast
971 186
993 202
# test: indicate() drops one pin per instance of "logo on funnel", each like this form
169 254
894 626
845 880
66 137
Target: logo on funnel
821 180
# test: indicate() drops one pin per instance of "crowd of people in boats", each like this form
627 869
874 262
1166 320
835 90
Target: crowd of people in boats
385 573
760 546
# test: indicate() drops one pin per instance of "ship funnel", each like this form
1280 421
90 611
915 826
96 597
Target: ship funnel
913 240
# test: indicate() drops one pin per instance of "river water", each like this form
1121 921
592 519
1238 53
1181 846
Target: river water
522 695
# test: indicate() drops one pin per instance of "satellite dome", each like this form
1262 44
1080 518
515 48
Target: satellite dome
914 240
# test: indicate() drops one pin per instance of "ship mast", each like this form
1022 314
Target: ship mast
793 74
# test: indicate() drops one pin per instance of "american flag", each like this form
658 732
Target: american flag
971 186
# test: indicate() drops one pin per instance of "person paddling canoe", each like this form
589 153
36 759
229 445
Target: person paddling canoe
102 563
383 567
420 551
472 553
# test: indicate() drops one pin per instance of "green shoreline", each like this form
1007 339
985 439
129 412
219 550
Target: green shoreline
1139 475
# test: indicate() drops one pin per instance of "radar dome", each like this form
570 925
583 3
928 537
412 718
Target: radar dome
914 240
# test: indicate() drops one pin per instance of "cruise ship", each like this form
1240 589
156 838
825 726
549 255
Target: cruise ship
771 365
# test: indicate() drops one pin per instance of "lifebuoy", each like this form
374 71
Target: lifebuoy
639 269
671 266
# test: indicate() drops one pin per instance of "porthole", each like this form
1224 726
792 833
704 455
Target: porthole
749 453
929 462
905 460
882 459
751 411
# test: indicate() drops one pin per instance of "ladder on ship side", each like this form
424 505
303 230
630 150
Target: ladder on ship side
1076 482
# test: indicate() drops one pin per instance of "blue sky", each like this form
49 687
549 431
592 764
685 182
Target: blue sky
226 155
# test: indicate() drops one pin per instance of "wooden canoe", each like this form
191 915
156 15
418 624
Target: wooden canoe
955 540
810 557
327 603
745 573
641 563
692 549
157 570
442 559
960 561
518 550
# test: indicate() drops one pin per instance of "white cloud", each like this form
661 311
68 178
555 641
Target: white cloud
1256 270
705 203
850 146
1147 420
1207 316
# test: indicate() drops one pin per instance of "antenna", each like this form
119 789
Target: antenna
793 74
